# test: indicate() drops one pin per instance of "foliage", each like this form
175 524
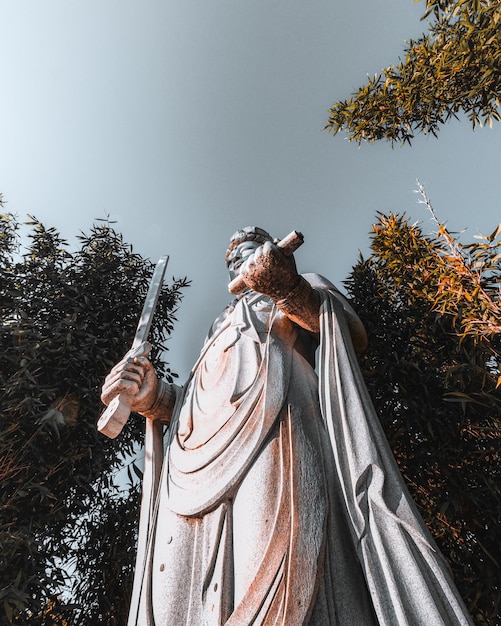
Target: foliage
431 308
66 318
453 68
116 545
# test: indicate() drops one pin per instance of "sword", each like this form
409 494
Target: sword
117 413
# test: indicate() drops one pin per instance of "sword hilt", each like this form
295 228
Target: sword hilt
114 417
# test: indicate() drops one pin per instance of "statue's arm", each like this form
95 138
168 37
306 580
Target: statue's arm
274 274
165 401
302 305
135 377
357 329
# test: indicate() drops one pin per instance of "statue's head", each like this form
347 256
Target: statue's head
242 244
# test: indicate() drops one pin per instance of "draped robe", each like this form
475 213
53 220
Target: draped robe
280 502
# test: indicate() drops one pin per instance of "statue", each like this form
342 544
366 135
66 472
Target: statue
279 500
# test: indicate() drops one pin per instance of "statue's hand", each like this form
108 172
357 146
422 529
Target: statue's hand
270 272
134 377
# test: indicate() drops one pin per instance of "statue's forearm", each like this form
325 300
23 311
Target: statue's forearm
164 403
302 306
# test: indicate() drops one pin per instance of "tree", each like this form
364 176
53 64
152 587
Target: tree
65 319
106 553
453 68
431 306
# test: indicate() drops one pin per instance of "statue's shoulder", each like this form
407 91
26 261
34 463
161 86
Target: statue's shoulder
357 330
317 281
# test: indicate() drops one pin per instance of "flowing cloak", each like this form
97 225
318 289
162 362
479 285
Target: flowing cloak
280 502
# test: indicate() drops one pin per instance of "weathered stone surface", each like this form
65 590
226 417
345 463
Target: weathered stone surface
280 501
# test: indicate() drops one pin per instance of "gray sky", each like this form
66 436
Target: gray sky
185 120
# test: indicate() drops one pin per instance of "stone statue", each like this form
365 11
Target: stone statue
279 501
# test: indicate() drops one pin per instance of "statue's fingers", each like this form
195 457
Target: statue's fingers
138 366
143 363
269 254
126 366
113 379
121 365
273 253
124 386
132 374
143 350
258 254
118 367
246 267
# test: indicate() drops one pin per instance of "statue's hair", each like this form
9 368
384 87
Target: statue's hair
249 233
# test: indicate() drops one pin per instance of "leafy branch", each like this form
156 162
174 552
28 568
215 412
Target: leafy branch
454 68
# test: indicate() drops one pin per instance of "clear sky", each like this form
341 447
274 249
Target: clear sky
187 119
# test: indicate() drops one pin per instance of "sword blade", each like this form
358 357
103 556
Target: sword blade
150 304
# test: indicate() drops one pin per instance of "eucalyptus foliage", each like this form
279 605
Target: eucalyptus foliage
66 318
431 305
454 68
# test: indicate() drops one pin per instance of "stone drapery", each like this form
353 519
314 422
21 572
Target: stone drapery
280 501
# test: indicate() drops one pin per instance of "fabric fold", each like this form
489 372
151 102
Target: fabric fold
408 578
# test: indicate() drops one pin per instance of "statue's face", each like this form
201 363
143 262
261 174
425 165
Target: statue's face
239 255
